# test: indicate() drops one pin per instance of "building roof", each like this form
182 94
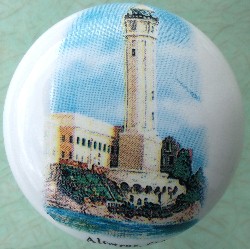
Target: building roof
84 122
141 12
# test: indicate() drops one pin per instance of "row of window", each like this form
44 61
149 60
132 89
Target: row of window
96 145
148 27
63 155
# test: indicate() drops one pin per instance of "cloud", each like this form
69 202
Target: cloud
92 57
90 75
190 112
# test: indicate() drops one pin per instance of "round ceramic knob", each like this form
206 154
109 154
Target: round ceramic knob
123 125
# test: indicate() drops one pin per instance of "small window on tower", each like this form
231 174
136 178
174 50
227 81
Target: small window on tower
153 95
63 154
133 25
71 139
70 155
153 116
89 143
83 142
63 138
133 52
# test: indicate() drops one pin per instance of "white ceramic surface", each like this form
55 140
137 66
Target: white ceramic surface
196 103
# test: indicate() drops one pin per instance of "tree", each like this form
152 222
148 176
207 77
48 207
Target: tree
182 169
197 185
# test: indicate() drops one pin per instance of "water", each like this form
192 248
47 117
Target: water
101 225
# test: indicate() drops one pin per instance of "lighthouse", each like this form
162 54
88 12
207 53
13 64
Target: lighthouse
139 145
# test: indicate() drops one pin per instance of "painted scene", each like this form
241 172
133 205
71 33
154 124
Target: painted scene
125 141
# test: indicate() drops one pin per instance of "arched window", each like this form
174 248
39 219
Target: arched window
124 187
139 202
157 190
137 188
148 189
164 189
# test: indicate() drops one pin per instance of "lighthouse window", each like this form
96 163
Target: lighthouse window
109 149
133 52
153 115
104 147
77 140
70 155
63 138
63 154
83 142
95 145
71 139
100 146
133 25
89 144
153 95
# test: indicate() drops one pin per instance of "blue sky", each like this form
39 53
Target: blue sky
89 78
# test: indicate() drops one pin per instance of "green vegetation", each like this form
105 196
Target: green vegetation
196 185
79 183
182 169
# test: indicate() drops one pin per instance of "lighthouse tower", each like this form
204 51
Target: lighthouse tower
139 146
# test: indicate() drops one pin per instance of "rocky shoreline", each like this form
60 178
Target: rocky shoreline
58 200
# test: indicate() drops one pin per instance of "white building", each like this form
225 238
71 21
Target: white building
80 138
